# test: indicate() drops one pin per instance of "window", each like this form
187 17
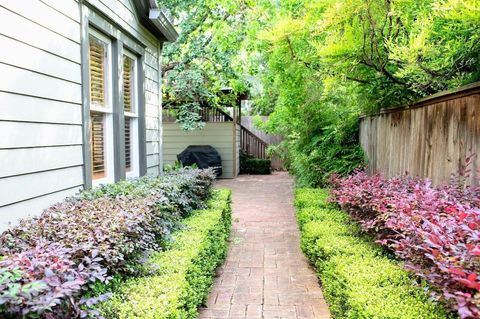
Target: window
101 125
130 103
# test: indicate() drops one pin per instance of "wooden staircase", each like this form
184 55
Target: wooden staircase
250 143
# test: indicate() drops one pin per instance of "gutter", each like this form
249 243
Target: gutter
160 111
161 22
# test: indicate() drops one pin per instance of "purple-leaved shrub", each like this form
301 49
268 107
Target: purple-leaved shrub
50 261
436 230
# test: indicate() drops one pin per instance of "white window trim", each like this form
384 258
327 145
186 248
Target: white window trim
108 117
133 118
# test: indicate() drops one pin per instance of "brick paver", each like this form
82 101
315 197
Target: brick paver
265 274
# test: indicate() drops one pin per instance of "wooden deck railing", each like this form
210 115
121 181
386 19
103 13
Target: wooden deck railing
252 144
207 114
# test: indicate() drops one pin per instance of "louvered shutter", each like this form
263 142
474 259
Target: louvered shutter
127 83
97 71
97 143
128 144
129 107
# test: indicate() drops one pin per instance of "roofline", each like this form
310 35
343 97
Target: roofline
155 20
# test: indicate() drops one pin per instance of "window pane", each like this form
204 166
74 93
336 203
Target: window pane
98 51
98 145
128 81
128 145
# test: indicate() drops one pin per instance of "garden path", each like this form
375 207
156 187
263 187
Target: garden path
265 274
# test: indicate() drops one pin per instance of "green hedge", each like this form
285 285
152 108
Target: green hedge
183 274
360 279
256 166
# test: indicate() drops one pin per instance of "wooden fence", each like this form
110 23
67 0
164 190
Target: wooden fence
247 121
431 138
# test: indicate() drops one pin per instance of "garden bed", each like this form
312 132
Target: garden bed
434 229
360 279
183 274
54 265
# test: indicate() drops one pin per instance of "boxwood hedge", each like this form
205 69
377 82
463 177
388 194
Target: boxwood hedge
359 278
183 274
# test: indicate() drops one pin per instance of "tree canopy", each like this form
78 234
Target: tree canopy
202 61
314 66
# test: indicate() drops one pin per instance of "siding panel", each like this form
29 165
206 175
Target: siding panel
45 16
67 8
24 30
20 135
25 108
30 160
39 184
27 57
30 83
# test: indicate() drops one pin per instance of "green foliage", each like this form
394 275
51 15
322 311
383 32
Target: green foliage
322 63
203 59
183 274
312 197
255 166
53 259
177 166
359 279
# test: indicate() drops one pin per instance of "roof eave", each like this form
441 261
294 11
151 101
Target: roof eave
154 19
161 22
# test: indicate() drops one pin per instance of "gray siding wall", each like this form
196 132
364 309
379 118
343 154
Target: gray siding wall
218 135
40 105
41 160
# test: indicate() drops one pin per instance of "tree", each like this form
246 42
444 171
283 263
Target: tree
199 63
323 62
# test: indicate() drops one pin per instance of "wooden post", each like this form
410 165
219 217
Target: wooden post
234 126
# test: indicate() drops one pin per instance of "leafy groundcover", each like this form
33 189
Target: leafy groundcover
360 279
51 263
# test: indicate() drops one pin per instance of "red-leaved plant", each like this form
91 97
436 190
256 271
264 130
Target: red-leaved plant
436 230
44 278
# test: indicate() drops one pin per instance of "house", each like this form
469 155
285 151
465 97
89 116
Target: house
223 131
80 100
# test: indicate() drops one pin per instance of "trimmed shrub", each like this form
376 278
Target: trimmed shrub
359 278
311 197
256 166
88 238
436 230
184 273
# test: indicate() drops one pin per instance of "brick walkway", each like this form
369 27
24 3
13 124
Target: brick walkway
265 274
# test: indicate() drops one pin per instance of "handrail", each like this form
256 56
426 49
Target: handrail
252 145
207 114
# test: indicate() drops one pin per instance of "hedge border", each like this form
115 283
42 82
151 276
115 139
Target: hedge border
184 273
359 279
256 166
